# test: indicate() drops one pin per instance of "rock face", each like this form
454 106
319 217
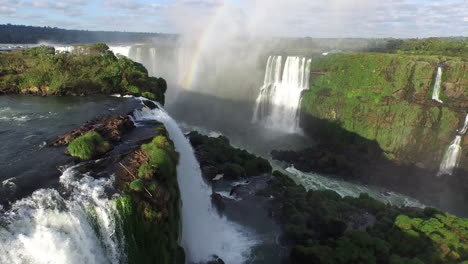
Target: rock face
386 99
111 128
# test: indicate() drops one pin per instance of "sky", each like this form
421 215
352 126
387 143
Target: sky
283 18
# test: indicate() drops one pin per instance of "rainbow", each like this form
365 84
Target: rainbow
196 56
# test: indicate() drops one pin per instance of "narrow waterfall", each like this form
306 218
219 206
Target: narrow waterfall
204 232
453 152
278 103
153 68
139 55
451 157
437 85
465 127
49 228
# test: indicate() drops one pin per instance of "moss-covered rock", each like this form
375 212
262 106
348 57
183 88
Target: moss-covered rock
387 98
88 146
150 207
217 156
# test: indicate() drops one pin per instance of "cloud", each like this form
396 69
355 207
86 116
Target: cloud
295 18
69 7
5 10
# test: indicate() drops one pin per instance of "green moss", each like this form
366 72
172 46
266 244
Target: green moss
137 185
151 223
149 95
88 146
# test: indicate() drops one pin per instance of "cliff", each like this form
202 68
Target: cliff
386 99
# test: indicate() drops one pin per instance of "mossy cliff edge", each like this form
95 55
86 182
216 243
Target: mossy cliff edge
150 206
386 98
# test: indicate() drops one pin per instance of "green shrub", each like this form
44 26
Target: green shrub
133 89
145 171
137 185
88 146
160 160
149 95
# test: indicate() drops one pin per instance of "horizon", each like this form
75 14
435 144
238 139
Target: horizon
295 19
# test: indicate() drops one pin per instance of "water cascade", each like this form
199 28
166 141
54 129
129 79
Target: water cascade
465 127
277 105
437 85
451 157
49 228
204 231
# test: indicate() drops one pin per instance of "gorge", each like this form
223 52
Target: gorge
349 131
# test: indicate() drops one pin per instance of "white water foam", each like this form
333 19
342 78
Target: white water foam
47 228
277 106
204 231
313 181
120 50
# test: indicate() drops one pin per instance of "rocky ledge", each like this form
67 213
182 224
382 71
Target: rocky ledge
111 128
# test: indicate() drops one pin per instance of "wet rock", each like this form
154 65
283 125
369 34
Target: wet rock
217 200
150 104
215 260
209 172
111 128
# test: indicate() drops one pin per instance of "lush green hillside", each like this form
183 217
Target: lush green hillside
323 228
86 70
387 98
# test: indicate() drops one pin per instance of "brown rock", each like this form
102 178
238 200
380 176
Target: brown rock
111 128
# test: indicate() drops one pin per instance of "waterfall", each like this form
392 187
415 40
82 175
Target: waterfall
204 232
437 84
120 50
451 157
153 61
277 105
139 55
49 228
465 127
453 152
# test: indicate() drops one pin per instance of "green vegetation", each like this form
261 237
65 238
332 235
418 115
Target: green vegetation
137 185
88 146
387 98
221 156
149 210
86 70
325 228
436 46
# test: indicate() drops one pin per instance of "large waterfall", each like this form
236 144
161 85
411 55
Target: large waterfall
277 105
437 85
204 232
48 227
